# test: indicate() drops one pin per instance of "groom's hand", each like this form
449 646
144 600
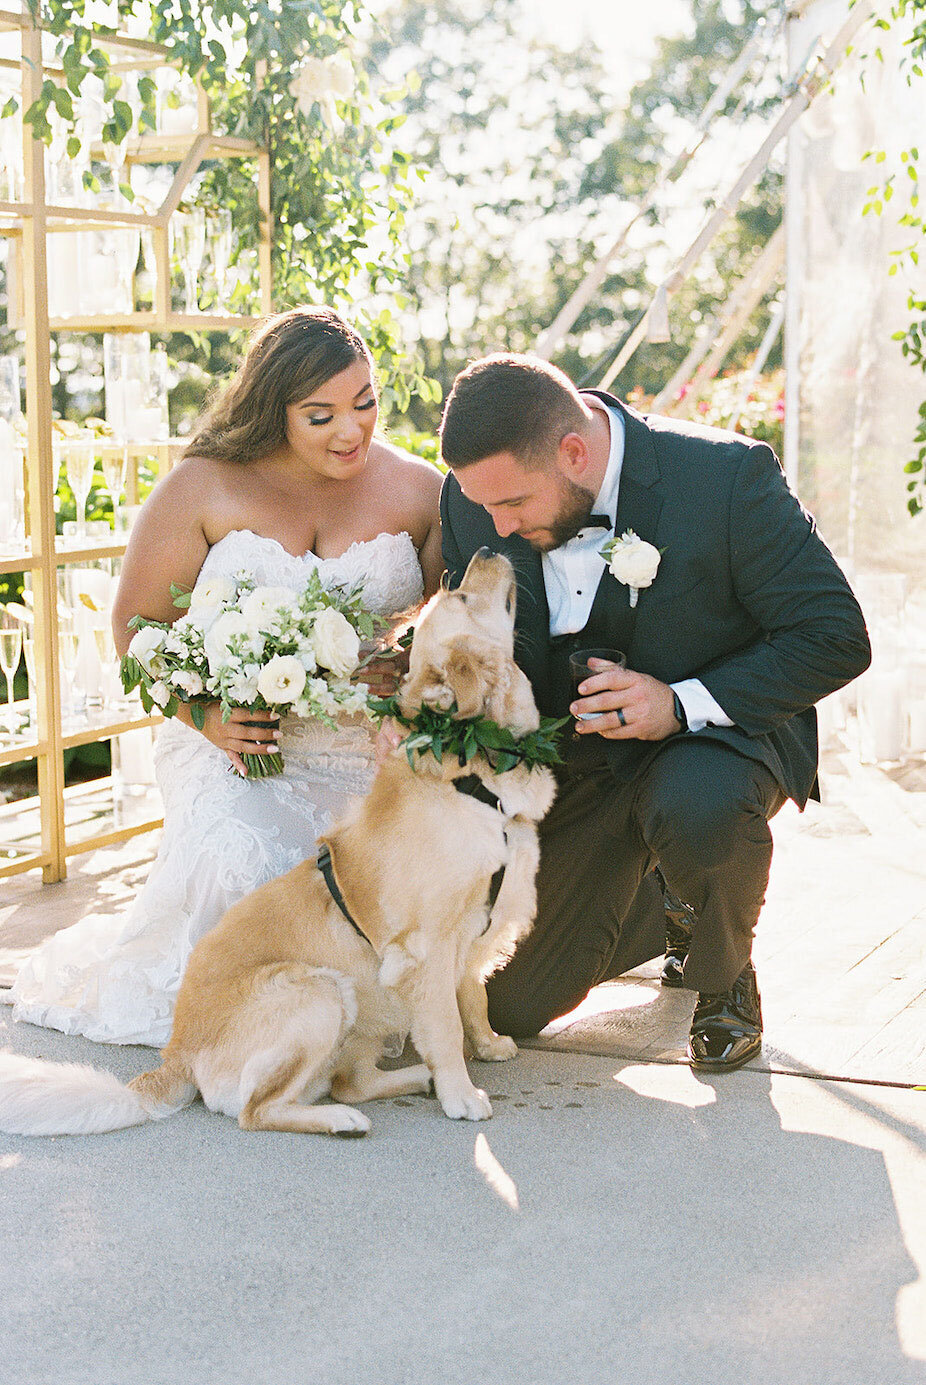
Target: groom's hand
630 706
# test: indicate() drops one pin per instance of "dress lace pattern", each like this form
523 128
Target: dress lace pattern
115 980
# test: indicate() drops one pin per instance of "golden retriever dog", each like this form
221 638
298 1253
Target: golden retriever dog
287 1001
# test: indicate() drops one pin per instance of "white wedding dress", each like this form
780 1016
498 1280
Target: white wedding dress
115 980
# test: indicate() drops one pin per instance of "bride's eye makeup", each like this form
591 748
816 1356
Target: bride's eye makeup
321 419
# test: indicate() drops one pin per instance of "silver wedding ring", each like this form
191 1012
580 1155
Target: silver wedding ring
620 716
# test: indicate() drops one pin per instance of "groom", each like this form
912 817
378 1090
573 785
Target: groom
748 621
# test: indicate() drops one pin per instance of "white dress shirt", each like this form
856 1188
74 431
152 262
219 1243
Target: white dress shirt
571 574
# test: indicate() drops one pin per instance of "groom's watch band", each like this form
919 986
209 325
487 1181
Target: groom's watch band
679 711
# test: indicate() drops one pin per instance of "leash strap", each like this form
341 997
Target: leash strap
324 865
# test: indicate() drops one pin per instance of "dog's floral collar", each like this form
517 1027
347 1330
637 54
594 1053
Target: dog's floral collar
440 733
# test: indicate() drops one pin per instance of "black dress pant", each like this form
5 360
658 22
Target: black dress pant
699 810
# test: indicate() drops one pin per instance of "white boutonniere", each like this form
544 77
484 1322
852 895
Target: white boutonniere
632 561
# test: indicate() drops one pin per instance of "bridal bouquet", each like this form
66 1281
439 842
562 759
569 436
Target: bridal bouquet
246 645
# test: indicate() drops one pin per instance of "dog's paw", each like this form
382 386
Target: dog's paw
346 1122
497 1049
463 1103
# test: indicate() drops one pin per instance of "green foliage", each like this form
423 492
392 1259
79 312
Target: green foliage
522 195
905 181
443 733
336 172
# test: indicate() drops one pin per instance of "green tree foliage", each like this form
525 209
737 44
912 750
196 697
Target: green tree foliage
908 16
339 184
535 162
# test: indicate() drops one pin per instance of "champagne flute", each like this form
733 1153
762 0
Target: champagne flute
29 652
189 242
79 458
68 650
114 460
11 643
222 245
109 661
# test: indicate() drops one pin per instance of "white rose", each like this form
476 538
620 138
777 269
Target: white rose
145 646
211 593
159 693
634 562
335 642
263 606
323 80
229 626
281 679
188 681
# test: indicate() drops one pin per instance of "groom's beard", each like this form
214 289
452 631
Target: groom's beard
575 509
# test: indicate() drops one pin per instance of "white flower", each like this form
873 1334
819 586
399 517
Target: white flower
262 607
323 697
335 642
211 593
146 644
306 654
323 80
281 679
229 626
159 693
241 690
188 681
632 561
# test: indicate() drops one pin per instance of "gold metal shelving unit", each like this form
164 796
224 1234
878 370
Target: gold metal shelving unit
29 222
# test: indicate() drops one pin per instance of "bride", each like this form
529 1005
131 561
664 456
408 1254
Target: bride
283 476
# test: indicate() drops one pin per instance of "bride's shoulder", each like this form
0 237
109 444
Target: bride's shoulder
200 482
405 471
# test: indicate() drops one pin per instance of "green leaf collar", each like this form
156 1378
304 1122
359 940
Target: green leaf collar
441 733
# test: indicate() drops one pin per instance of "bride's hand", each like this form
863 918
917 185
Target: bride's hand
383 676
247 732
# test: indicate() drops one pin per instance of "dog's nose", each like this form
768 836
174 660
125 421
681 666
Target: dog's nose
484 552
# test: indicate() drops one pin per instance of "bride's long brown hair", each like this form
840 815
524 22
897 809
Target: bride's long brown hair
289 358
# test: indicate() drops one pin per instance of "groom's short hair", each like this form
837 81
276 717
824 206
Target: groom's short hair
509 403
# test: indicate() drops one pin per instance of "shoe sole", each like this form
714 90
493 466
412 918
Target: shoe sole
702 1066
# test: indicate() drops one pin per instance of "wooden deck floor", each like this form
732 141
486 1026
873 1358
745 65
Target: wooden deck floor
840 950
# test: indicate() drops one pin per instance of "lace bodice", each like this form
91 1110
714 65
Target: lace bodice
386 567
115 979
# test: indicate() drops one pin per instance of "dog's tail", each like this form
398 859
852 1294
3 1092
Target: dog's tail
42 1098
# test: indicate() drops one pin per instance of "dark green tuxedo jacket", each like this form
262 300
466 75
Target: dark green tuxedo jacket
747 598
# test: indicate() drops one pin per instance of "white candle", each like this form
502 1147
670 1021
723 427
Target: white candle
881 715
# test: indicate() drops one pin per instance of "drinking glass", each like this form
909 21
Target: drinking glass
579 670
114 460
222 245
68 650
29 652
11 643
79 459
109 662
188 233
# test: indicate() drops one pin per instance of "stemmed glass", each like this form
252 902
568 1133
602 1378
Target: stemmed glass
79 458
29 652
114 463
109 661
68 650
188 231
222 245
11 643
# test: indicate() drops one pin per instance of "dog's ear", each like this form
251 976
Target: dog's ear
426 686
476 672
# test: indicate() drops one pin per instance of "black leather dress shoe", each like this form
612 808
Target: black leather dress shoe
726 1030
680 920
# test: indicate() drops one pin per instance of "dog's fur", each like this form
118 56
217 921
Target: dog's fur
284 1002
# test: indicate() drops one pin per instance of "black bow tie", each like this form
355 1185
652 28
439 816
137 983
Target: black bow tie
599 522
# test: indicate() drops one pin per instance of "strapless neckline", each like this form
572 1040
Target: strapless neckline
309 554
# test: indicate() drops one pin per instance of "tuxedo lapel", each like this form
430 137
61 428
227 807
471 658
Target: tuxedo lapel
532 615
639 503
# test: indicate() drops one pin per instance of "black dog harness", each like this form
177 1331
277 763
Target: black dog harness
469 784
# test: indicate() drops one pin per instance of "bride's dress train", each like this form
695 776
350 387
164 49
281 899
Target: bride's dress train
115 980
